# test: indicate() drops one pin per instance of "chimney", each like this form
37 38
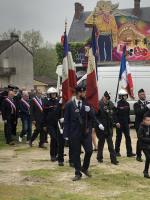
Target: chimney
78 10
137 8
14 36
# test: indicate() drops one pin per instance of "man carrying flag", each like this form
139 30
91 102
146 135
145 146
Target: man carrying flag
123 107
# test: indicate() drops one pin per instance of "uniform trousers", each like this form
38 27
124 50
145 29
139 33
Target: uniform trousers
76 143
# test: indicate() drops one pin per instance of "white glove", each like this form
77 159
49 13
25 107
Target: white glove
61 120
87 109
118 125
60 101
61 131
66 139
148 106
101 127
5 121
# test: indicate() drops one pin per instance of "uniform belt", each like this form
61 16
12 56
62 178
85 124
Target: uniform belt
105 33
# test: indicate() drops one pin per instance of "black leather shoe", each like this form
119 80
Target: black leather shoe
139 159
146 175
100 161
118 154
131 155
53 159
12 143
42 146
30 143
71 164
61 164
116 162
86 172
95 149
76 178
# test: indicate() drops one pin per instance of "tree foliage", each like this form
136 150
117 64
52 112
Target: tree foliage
45 61
74 48
33 40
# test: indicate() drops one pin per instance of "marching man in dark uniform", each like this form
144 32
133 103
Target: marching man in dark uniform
122 123
16 100
144 138
37 117
104 131
140 108
60 138
24 106
9 115
51 118
78 129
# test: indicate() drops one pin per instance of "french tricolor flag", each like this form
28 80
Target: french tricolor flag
66 94
68 72
91 82
125 75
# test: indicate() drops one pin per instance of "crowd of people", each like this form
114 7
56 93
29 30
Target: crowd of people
75 124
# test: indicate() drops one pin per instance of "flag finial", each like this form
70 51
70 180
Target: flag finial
65 24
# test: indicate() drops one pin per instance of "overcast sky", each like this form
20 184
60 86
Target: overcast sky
48 16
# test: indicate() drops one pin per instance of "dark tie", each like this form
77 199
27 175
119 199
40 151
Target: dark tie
79 105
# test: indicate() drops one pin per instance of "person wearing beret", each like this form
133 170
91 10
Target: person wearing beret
140 108
104 131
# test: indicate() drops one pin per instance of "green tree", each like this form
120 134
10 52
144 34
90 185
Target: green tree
33 40
45 61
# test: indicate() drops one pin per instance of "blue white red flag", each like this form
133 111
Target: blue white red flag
68 72
91 84
66 95
125 75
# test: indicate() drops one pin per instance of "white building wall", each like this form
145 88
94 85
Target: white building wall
18 57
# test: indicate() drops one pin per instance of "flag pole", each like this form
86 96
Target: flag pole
119 74
94 24
117 88
66 25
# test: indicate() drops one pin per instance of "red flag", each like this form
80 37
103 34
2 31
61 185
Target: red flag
72 72
91 85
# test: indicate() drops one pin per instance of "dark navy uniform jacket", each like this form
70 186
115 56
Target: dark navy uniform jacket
144 136
77 123
123 112
106 116
51 111
140 109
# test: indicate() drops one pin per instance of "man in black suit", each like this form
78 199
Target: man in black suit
24 107
140 108
37 117
9 115
78 118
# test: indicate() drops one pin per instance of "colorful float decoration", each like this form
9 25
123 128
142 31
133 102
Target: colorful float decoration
115 31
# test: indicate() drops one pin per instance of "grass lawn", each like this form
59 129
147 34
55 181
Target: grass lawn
27 174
